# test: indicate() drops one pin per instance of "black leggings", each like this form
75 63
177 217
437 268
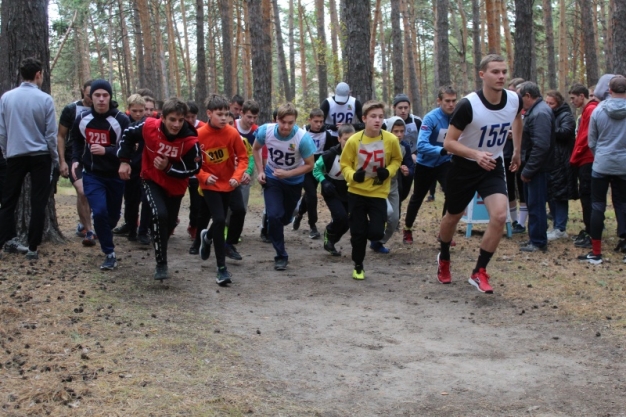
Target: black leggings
237 216
132 200
367 222
308 204
339 224
164 209
424 178
217 202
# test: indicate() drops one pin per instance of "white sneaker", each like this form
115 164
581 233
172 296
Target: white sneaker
556 234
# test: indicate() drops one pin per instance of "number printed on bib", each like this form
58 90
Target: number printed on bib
168 150
97 137
371 157
342 118
282 159
217 155
496 135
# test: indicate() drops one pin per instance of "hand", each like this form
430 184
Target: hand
74 169
359 175
233 183
161 162
124 171
515 162
524 179
97 150
485 161
382 173
261 178
405 170
281 173
64 169
211 180
328 188
245 179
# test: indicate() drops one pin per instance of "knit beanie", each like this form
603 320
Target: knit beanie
100 85
400 98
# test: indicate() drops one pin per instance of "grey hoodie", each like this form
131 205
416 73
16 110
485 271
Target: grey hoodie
607 137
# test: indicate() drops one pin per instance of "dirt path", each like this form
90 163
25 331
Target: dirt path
401 344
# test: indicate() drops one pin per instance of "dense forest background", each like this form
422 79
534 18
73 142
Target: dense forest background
298 50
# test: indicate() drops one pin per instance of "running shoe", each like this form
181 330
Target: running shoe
443 270
14 246
193 250
480 280
144 239
280 264
32 255
80 230
430 198
591 258
314 234
358 273
557 234
297 219
531 247
110 263
205 245
223 276
585 242
160 272
265 238
330 246
122 230
379 248
231 252
89 239
621 246
407 237
518 228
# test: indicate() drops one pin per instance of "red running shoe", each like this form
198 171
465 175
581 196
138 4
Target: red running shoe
480 280
407 237
443 271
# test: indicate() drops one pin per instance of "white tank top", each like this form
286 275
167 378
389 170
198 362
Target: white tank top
489 128
335 170
340 113
283 154
411 133
319 139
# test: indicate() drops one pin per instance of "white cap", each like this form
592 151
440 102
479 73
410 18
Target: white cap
342 92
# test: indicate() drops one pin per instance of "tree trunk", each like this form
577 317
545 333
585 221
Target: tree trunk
201 85
303 73
463 38
186 55
384 61
320 46
359 71
282 64
619 34
414 92
373 30
260 34
508 40
21 37
563 49
334 38
172 61
397 58
292 52
93 28
227 33
141 68
164 89
212 39
443 49
128 60
607 24
523 39
148 43
493 26
247 67
478 83
547 21
589 37
235 56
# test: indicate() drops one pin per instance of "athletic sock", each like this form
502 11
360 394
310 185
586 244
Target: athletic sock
483 260
523 214
513 212
444 255
596 246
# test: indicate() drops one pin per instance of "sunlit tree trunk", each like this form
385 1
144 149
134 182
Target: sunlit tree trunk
477 52
172 61
303 72
414 93
563 49
201 76
227 33
161 71
292 51
397 58
320 46
141 68
589 38
463 34
260 34
282 64
508 39
149 64
373 30
128 60
384 59
247 67
186 56
334 39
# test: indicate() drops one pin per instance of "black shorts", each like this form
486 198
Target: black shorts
465 178
79 173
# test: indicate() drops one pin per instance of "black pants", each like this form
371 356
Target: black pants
40 169
237 216
339 224
424 178
367 222
404 186
3 173
217 202
584 190
145 218
202 221
132 199
195 202
308 204
164 210
599 188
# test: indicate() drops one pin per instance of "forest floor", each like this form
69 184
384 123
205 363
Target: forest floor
310 341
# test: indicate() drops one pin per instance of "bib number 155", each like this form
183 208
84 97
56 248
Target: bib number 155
496 135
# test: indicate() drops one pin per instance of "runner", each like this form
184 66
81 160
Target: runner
224 161
368 160
170 156
327 171
290 152
476 136
95 137
341 109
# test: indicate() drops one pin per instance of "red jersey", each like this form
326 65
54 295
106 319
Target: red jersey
581 154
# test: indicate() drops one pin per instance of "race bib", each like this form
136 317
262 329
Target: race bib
371 157
442 136
169 150
216 155
335 170
98 137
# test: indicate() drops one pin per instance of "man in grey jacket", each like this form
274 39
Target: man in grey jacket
28 140
537 147
607 141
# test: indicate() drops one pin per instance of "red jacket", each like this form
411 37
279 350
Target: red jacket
582 154
182 150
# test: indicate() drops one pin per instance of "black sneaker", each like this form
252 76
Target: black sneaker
280 264
581 235
223 276
591 258
330 246
584 242
314 234
161 272
32 255
231 252
14 246
621 246
518 228
193 250
296 221
122 230
144 239
110 263
205 245
530 247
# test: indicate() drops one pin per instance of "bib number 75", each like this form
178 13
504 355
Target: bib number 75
375 157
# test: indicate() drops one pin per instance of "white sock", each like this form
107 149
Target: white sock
513 213
523 214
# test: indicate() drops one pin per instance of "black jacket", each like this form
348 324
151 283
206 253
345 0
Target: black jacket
538 139
329 158
562 185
